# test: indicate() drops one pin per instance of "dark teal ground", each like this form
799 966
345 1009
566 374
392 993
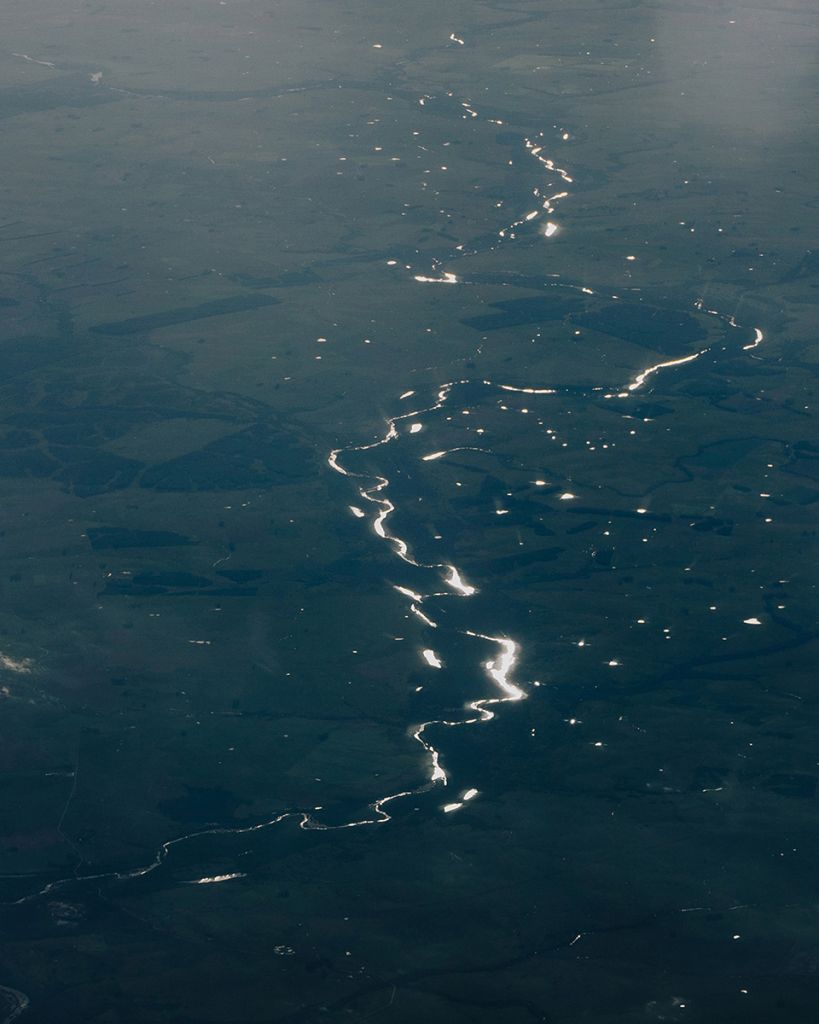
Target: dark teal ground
213 217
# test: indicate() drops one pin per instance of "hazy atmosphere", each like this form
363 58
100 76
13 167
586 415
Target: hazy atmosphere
409 473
